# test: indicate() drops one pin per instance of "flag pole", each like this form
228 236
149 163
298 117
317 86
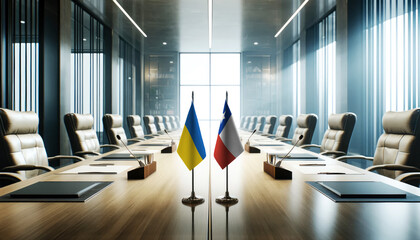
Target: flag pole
227 200
193 199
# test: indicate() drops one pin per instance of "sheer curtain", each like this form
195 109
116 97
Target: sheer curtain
392 60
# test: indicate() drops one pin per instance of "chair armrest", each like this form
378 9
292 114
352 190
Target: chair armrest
17 168
343 158
394 167
10 177
336 153
407 177
310 145
110 146
83 153
59 157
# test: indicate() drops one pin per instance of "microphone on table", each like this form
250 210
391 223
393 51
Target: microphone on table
251 135
142 164
166 131
287 155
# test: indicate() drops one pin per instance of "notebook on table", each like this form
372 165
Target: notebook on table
358 189
297 156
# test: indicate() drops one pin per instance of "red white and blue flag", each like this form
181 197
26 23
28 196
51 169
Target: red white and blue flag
228 145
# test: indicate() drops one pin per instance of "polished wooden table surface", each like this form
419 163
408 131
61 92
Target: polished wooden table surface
152 208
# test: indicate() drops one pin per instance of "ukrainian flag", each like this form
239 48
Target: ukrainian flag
191 146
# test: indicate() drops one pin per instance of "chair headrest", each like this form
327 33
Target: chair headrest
260 119
82 121
135 119
285 120
270 120
339 121
114 120
149 119
14 122
405 122
159 119
305 120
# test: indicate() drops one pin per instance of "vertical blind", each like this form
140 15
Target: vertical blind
23 55
129 70
326 74
392 60
87 66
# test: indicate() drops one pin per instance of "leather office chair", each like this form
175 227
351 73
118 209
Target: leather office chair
337 138
160 126
252 123
242 122
247 122
398 148
173 122
22 151
167 123
306 124
260 124
135 128
113 126
285 123
178 124
270 123
82 136
149 125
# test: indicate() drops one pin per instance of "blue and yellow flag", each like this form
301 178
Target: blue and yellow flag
191 146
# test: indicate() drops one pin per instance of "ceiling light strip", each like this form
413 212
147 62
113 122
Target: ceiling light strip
291 18
210 22
129 18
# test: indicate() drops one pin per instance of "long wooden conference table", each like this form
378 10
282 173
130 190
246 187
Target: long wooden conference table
152 208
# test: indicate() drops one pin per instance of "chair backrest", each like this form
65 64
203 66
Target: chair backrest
253 123
113 126
159 123
149 124
270 123
400 143
285 123
20 142
167 123
134 126
260 123
177 123
306 124
173 122
81 134
337 137
247 122
242 122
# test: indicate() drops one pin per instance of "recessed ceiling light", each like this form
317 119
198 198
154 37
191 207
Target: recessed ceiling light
255 43
129 18
84 39
164 43
171 62
291 18
249 62
22 22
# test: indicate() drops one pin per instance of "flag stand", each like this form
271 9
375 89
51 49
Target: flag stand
193 199
227 200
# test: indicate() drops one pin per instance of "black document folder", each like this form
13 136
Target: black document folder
54 190
74 191
358 189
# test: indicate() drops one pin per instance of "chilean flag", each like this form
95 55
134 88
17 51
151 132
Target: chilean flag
228 145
